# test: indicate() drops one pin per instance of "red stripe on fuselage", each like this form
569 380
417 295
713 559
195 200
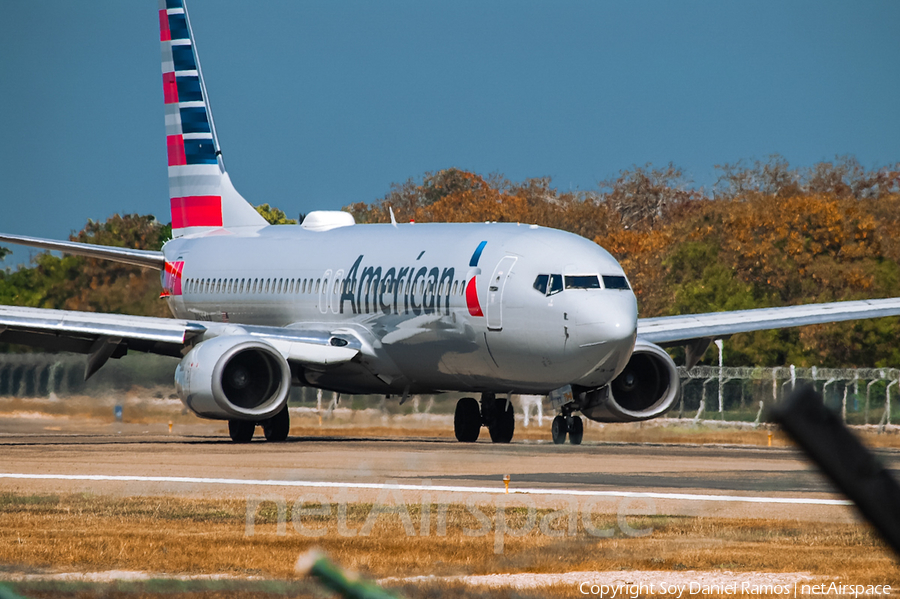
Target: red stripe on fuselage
173 277
197 211
472 299
164 34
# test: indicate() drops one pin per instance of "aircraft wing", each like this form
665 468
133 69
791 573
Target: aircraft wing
674 330
104 336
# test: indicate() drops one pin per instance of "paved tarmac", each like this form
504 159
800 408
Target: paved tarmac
678 475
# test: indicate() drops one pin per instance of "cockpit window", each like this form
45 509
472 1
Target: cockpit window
556 284
582 282
540 283
615 282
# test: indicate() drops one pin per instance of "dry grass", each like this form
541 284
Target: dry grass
191 536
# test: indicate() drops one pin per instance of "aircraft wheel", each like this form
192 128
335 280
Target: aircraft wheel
559 429
504 424
241 431
467 420
576 432
277 427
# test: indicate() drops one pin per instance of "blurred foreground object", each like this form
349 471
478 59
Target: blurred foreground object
846 461
5 593
315 563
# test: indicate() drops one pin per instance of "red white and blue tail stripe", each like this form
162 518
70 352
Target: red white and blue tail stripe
202 196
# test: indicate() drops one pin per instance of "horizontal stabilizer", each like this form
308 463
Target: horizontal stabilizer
145 258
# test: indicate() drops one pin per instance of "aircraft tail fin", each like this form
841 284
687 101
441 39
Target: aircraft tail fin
201 194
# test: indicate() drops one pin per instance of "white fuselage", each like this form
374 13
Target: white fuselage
433 312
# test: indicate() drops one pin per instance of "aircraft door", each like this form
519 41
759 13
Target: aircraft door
324 296
495 292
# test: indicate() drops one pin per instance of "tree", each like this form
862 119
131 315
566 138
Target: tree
274 215
642 196
78 283
774 177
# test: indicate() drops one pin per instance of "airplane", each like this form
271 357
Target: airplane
487 309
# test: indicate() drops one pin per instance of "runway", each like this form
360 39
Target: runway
674 478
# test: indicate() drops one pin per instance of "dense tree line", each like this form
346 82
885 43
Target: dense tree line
766 235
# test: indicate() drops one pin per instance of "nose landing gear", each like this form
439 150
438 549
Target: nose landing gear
495 413
567 424
467 420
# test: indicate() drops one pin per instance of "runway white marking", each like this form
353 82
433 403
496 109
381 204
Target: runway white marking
432 488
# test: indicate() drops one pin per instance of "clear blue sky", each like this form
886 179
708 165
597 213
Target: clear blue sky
320 104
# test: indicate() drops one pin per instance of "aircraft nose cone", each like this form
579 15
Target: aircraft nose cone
606 318
602 335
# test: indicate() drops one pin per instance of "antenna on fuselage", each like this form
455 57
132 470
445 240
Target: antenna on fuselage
393 220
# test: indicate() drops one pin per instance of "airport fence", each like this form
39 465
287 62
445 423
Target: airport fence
860 395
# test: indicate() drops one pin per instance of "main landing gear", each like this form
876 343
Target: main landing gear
566 424
494 413
275 428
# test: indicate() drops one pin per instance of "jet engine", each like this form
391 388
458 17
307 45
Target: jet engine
234 378
647 387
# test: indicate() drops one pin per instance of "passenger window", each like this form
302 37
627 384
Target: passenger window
582 282
540 283
615 282
556 284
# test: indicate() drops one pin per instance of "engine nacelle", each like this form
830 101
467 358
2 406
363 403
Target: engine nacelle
647 387
234 378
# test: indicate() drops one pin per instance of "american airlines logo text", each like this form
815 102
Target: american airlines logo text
396 290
